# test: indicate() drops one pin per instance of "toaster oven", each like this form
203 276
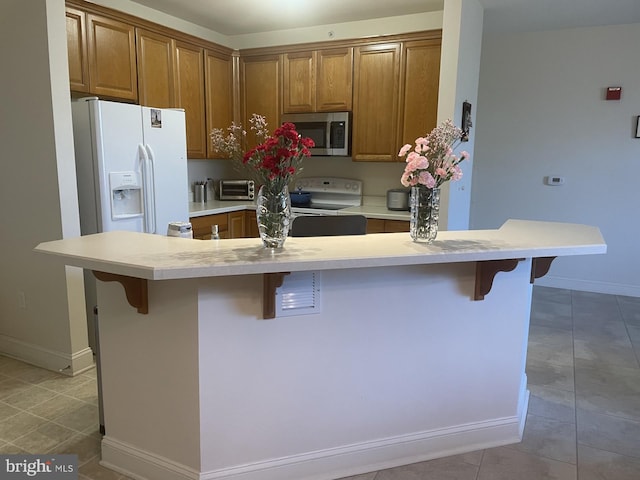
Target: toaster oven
236 189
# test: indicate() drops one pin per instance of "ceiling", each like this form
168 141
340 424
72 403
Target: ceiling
236 17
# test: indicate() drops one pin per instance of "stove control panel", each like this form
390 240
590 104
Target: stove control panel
330 185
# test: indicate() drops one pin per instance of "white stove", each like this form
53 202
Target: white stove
328 195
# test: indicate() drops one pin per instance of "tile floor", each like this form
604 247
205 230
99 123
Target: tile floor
583 421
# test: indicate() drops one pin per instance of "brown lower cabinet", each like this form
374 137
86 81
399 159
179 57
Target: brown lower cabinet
243 224
201 226
379 225
251 224
240 224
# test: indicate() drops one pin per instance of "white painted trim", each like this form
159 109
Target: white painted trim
378 455
335 462
523 405
68 364
589 286
139 464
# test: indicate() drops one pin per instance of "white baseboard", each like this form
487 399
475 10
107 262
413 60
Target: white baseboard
589 286
141 465
62 362
332 463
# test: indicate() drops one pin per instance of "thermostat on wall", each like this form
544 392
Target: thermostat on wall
554 180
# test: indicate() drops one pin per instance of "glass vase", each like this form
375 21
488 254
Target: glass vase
425 211
273 213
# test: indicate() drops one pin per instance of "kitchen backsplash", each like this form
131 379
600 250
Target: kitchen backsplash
377 178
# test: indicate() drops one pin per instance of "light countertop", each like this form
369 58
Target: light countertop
157 257
372 207
214 207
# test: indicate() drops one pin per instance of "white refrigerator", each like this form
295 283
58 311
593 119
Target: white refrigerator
131 166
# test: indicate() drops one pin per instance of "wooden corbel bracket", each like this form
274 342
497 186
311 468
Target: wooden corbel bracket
487 270
270 283
135 289
540 267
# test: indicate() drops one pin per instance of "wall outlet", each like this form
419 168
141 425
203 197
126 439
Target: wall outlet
22 301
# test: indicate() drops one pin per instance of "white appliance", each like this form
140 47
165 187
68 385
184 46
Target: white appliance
328 195
131 165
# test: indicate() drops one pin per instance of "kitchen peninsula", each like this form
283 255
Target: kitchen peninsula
416 352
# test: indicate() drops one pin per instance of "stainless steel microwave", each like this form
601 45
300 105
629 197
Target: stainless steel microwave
330 131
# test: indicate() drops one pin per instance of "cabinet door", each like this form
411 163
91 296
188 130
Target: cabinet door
261 87
155 69
112 58
375 102
334 84
77 50
419 98
251 224
219 94
201 226
189 81
299 82
391 226
236 224
375 225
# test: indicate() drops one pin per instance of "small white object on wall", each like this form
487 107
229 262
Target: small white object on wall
554 180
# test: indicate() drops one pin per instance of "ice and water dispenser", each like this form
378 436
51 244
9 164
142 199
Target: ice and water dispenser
126 195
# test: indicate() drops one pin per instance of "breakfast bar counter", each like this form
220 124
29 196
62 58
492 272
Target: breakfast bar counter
409 352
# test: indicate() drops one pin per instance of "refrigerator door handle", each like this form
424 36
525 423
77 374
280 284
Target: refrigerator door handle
152 187
147 202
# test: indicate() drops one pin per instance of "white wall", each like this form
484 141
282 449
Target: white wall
541 111
459 70
161 18
365 28
38 197
341 31
377 177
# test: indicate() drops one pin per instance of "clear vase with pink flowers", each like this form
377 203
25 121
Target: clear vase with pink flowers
430 163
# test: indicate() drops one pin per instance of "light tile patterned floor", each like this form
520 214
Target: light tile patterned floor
583 421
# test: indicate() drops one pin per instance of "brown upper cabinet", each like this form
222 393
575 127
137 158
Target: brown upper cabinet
156 82
420 78
112 58
77 50
172 74
218 75
334 80
299 86
189 80
102 56
395 96
130 59
260 90
376 89
318 80
389 83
